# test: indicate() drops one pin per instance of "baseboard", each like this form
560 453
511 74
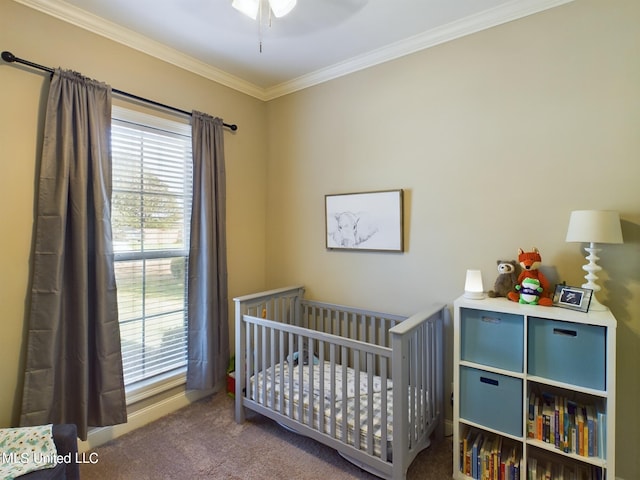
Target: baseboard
448 428
101 435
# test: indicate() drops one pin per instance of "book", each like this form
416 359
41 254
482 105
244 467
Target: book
566 426
556 422
485 458
591 431
580 430
497 455
531 419
573 426
475 450
550 418
466 449
539 420
532 468
601 434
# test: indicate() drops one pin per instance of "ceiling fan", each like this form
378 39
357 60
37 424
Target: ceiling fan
251 7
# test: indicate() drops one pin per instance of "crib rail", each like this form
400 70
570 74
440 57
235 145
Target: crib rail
280 305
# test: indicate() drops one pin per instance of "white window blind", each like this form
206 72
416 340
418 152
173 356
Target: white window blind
152 178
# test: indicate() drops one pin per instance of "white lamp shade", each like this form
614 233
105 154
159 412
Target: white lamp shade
473 287
594 226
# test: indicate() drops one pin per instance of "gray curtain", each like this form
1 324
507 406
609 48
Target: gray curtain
208 333
74 366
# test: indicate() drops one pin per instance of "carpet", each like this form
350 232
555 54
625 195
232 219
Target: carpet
202 441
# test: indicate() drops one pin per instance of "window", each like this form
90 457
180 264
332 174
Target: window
151 201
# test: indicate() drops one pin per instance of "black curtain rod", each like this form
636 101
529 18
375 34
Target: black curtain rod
11 58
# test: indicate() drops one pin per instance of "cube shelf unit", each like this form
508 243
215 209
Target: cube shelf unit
504 353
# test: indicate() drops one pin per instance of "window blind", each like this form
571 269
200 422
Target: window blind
151 201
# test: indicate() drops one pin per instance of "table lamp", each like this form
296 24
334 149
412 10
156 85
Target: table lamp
594 226
473 288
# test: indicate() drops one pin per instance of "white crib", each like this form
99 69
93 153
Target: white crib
368 384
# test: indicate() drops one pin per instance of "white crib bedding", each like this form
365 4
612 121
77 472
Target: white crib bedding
333 397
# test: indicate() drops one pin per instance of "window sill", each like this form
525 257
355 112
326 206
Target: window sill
154 386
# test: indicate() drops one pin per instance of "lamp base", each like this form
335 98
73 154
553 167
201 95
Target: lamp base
591 268
595 305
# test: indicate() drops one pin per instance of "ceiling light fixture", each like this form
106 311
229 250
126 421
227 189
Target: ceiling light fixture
251 7
256 8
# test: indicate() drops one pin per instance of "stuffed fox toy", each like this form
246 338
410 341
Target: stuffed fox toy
530 263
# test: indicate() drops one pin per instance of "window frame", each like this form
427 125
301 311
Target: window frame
160 382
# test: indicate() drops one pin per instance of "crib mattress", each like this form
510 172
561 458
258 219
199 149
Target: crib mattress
349 407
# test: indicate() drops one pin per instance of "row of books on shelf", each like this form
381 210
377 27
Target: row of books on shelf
570 426
488 456
484 457
542 469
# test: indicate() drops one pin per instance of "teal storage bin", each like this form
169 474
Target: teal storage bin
492 400
567 352
492 338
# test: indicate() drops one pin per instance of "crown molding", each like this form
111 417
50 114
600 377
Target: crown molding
507 12
80 18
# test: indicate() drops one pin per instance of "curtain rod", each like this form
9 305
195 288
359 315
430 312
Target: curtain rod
11 58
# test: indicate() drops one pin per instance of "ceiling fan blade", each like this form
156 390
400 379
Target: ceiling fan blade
281 7
248 7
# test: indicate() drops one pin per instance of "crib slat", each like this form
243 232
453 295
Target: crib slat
248 361
272 366
280 362
254 357
310 368
332 360
321 397
432 370
276 311
344 356
263 359
290 412
384 421
300 387
356 401
415 386
370 403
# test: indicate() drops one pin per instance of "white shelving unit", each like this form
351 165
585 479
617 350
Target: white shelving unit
504 352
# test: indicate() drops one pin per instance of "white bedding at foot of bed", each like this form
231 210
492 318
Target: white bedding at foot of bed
356 400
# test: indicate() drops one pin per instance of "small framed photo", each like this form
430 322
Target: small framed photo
575 298
365 221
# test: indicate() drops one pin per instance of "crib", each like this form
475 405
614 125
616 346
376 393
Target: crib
368 384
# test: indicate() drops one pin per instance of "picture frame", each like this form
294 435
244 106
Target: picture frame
372 221
574 298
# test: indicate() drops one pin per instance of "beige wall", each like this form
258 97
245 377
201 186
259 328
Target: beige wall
46 41
495 138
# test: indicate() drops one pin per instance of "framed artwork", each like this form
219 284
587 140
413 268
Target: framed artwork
365 221
575 298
